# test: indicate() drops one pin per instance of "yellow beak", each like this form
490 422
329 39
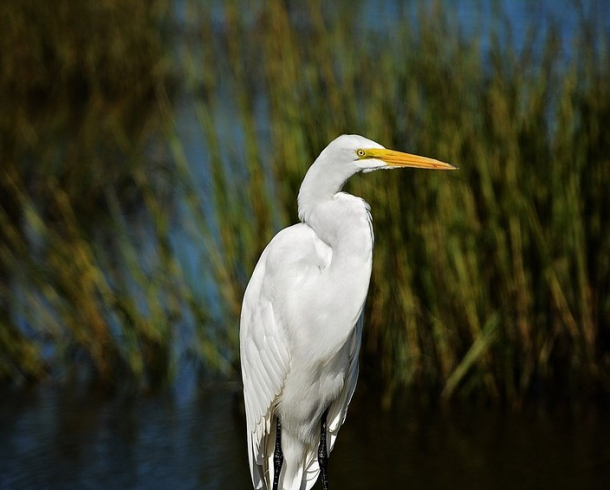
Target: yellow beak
400 159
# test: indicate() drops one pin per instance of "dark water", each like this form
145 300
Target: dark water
55 438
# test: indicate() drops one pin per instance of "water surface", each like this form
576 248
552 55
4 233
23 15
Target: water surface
65 438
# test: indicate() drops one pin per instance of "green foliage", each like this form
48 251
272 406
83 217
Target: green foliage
493 280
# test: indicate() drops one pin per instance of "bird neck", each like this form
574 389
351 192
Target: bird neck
339 219
321 183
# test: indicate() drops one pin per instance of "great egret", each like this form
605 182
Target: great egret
301 319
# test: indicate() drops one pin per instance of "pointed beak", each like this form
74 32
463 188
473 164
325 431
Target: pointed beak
399 159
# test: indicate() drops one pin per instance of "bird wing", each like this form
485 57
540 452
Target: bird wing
265 356
338 410
264 360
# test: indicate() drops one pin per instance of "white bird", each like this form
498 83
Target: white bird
301 318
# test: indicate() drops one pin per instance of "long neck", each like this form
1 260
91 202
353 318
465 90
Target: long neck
339 219
343 223
319 186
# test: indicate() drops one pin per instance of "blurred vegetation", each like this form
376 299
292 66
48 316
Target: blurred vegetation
493 281
78 84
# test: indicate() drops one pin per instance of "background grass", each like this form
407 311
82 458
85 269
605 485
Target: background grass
149 154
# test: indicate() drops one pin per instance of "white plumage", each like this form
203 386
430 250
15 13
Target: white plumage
301 319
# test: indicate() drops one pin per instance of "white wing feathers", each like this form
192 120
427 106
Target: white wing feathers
338 410
265 361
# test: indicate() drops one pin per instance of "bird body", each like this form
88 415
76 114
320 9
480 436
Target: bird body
301 319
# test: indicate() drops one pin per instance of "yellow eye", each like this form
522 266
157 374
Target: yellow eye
360 153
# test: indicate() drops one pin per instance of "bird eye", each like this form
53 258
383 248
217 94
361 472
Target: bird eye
360 153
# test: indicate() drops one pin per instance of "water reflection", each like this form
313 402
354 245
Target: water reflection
55 438
61 439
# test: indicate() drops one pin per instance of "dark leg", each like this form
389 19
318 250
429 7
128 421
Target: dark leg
278 457
323 452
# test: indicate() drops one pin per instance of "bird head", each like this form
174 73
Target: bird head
347 155
364 155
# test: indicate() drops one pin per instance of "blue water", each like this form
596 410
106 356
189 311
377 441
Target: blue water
478 17
73 439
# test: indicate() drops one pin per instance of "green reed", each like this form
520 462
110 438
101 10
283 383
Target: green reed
491 281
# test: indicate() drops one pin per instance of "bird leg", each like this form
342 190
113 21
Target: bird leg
278 457
323 452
